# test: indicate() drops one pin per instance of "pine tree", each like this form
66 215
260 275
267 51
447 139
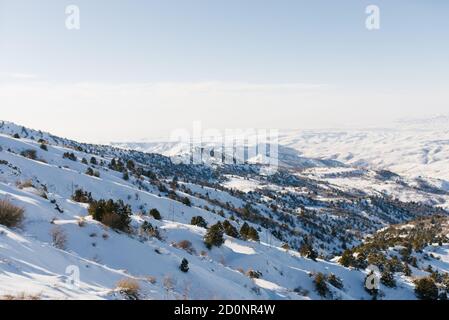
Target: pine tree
155 214
306 250
214 236
199 221
253 234
126 176
184 267
230 230
387 279
426 289
248 233
130 165
347 259
244 231
186 201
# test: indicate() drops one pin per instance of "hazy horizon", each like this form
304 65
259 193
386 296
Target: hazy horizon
138 70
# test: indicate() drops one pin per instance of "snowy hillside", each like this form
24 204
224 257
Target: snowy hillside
279 236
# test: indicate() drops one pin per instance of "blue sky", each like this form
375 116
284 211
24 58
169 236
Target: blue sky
246 63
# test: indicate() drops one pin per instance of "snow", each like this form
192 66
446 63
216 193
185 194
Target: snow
31 264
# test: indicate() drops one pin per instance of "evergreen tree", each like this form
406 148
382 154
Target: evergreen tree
114 214
387 279
199 221
130 165
186 201
184 267
230 230
214 236
155 214
347 259
253 234
244 231
426 289
306 250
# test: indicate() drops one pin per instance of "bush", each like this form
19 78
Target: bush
214 236
387 279
230 230
21 296
82 196
185 245
16 136
24 184
93 161
426 289
117 165
69 155
129 288
130 165
148 229
44 147
320 284
113 214
155 214
249 233
184 267
347 259
91 172
10 215
306 250
253 274
126 176
335 281
59 237
186 201
199 221
29 153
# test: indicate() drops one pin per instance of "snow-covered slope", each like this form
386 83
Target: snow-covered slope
318 205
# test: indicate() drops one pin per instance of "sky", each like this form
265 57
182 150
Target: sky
138 69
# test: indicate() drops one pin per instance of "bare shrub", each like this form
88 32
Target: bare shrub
185 245
24 184
10 215
253 274
21 296
59 237
129 288
29 153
